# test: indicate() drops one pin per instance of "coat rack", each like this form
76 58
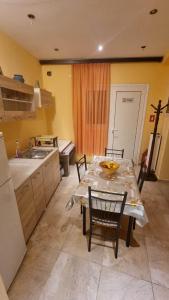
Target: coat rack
158 110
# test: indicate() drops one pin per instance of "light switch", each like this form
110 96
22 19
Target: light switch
152 118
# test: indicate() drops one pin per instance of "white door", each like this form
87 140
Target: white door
125 121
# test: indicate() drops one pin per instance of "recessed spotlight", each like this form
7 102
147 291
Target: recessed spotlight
143 47
56 49
31 16
153 11
100 48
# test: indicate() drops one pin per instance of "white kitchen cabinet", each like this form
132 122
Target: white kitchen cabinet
5 172
3 292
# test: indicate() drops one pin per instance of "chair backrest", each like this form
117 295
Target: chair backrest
142 175
114 152
81 166
105 204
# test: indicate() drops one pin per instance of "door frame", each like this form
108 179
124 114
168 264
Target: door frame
143 88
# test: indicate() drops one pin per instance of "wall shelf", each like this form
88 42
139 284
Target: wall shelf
16 99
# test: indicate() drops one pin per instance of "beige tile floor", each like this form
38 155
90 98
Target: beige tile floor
58 266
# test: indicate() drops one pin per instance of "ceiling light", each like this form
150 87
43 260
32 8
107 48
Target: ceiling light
31 16
56 49
153 11
100 48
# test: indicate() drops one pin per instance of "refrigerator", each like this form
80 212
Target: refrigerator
12 243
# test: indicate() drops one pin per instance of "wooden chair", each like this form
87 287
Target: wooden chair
114 152
140 182
142 176
106 209
81 166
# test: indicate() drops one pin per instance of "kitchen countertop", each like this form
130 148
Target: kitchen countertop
22 168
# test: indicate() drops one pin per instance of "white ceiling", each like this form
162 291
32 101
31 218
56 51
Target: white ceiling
76 27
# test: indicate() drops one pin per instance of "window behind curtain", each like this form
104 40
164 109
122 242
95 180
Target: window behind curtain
91 93
95 102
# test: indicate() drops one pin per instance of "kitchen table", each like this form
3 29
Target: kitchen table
122 180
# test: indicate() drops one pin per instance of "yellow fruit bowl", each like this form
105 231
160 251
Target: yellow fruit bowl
109 167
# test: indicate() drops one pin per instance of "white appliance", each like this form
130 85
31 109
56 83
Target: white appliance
3 294
12 243
156 151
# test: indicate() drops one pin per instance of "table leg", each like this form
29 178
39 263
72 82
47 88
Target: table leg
84 220
129 231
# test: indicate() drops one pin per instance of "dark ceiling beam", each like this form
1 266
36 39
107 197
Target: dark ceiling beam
101 60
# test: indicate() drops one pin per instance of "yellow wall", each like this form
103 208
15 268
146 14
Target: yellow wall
153 74
156 75
163 164
16 60
60 119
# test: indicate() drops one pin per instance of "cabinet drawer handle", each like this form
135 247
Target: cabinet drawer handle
25 187
36 175
47 164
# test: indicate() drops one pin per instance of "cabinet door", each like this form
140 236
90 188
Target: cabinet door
56 170
47 175
38 192
1 109
46 98
25 201
51 173
13 115
1 116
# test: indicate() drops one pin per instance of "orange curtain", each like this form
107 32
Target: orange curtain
91 97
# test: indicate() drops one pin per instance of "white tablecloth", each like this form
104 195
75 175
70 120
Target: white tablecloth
123 180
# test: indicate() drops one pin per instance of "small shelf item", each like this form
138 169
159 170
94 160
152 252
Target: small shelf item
16 99
18 77
42 98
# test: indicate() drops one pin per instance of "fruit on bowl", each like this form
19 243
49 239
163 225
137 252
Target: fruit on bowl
109 167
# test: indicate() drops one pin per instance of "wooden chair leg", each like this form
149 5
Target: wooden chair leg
84 220
116 248
129 231
90 238
81 209
134 224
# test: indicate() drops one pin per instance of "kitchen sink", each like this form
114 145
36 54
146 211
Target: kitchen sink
35 153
